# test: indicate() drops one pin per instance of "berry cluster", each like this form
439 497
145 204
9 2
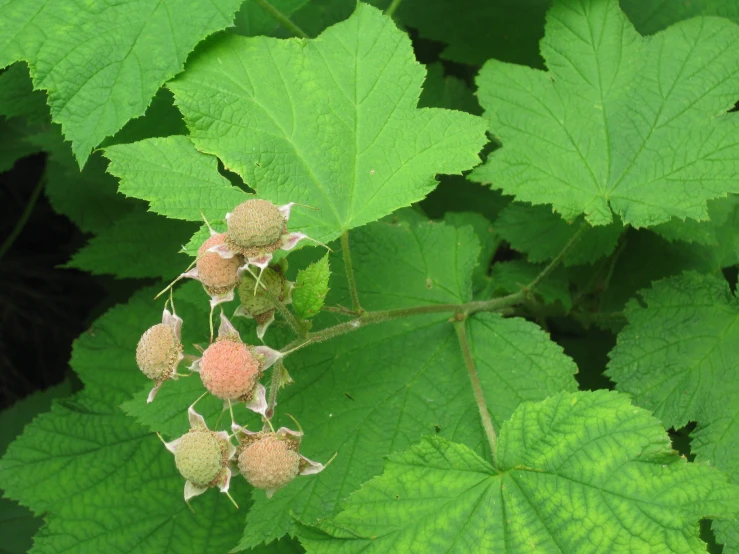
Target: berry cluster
229 368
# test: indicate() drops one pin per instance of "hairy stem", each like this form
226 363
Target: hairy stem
501 304
346 252
10 239
281 18
294 323
487 423
390 11
274 387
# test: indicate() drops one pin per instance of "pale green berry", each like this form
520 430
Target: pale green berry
200 457
254 226
158 352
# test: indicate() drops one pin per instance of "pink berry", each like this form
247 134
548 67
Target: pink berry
229 370
218 275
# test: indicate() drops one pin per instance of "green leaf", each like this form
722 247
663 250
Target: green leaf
18 524
331 122
17 97
379 389
677 358
489 241
650 16
137 245
577 473
511 277
106 483
477 30
646 258
619 123
177 180
311 288
542 234
102 64
89 197
253 20
13 142
447 91
161 119
457 194
721 232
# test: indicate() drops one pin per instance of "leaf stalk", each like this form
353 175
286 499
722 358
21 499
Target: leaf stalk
460 326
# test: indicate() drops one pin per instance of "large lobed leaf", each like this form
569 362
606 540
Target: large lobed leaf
576 473
102 62
619 122
331 122
678 358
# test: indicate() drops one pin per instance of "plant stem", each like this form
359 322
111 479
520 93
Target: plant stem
281 18
501 304
346 252
10 239
487 423
274 387
292 321
390 11
559 257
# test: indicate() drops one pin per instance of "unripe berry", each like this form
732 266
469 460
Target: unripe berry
200 457
255 225
158 352
229 370
218 275
270 462
255 305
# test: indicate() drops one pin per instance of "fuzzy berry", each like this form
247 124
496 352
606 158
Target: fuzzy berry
229 370
257 304
218 275
158 352
255 224
269 463
200 457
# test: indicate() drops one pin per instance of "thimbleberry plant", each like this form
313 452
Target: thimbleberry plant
484 303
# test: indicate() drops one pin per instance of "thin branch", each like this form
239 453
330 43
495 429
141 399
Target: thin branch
487 423
281 18
21 223
502 304
274 387
292 321
559 257
390 11
346 252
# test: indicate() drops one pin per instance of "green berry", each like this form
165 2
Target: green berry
255 225
200 457
158 352
254 305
